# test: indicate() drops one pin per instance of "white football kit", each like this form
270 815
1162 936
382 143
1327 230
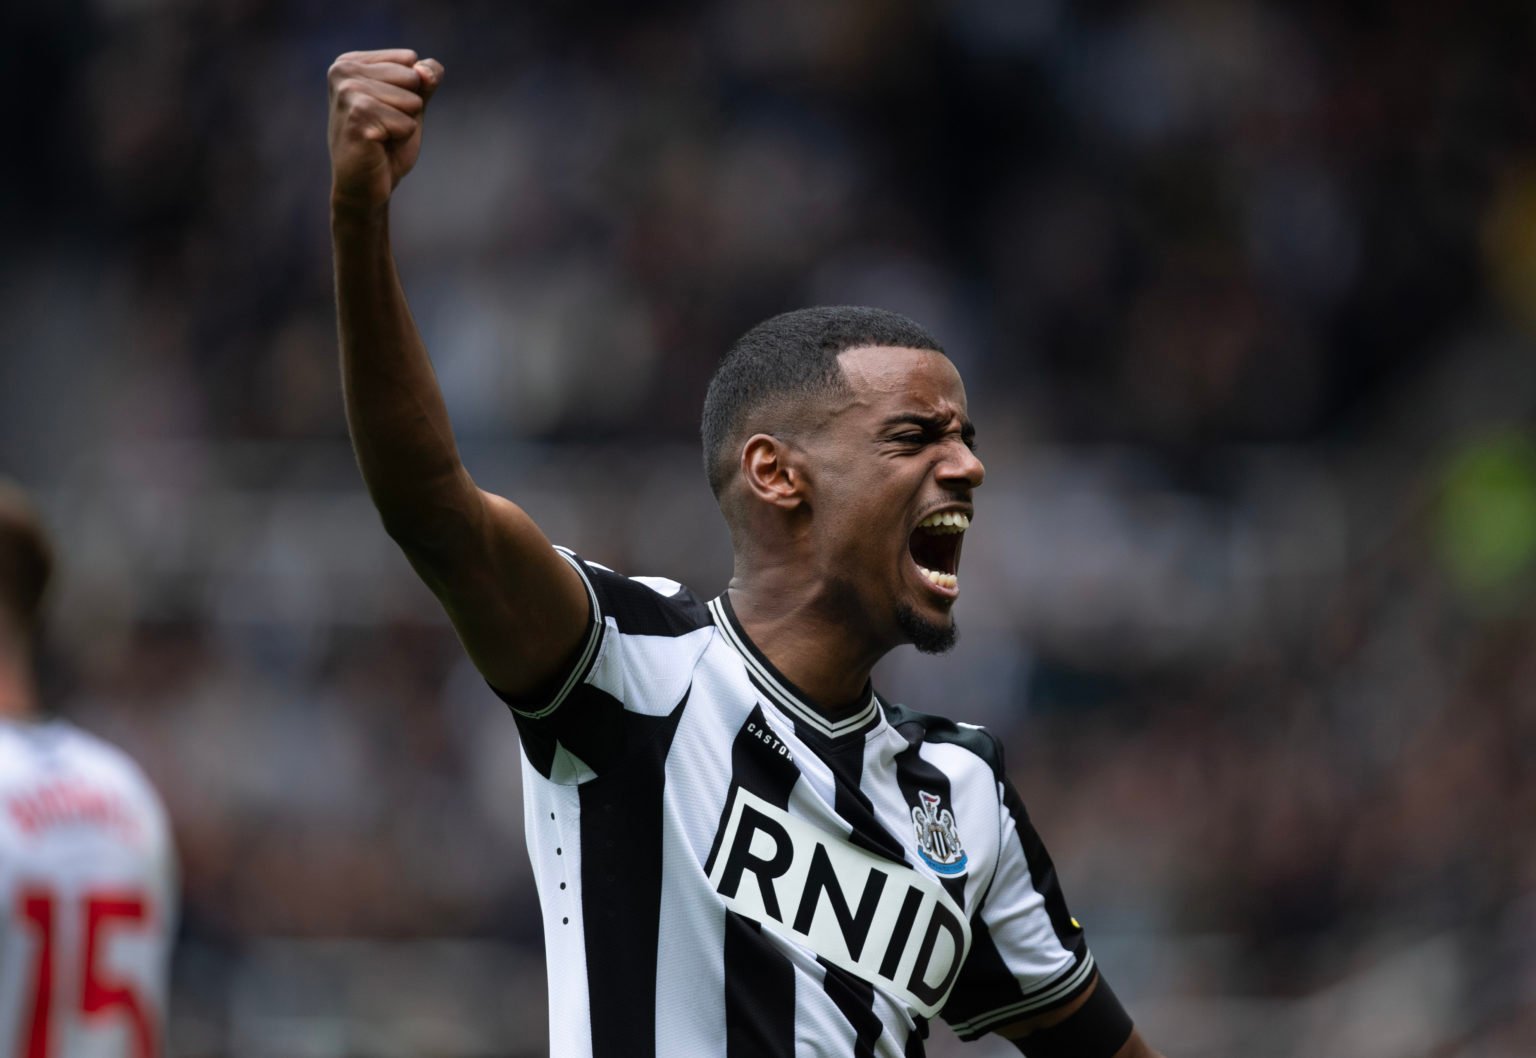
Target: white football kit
87 898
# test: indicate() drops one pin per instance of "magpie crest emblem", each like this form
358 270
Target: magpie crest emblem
937 839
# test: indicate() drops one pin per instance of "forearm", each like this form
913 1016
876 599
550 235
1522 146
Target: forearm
395 412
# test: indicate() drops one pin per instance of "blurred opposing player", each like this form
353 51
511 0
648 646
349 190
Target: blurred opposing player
87 886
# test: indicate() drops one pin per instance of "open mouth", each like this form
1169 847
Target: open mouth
935 547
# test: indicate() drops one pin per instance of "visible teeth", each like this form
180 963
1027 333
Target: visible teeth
943 580
945 522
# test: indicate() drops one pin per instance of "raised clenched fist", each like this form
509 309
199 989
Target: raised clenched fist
378 99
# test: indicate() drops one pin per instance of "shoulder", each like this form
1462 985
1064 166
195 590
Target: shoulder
52 769
939 730
654 606
94 758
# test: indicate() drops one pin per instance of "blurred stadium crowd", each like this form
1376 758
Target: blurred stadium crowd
1245 298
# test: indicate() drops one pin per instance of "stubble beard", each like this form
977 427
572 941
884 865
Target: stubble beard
927 637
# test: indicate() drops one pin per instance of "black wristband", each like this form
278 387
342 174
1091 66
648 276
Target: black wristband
1097 1029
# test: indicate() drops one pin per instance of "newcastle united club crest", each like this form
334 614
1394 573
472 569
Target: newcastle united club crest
937 839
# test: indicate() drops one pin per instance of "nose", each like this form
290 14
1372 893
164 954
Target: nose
961 467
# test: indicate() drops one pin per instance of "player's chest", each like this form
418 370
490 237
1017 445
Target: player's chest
859 853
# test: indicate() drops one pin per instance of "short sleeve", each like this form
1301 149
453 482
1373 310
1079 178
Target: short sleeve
1028 954
643 639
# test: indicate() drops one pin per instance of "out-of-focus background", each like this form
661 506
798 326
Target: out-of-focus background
1245 297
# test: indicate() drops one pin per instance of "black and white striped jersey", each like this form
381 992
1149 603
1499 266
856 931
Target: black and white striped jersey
724 871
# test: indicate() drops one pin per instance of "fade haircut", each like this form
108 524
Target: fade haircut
790 358
26 561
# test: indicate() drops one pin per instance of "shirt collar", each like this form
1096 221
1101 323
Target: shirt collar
782 693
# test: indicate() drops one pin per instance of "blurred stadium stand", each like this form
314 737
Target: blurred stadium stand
1245 296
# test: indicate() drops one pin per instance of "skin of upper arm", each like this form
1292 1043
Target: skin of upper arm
1134 1047
517 605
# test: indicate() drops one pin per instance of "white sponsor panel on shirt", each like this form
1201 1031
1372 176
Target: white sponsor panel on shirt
882 921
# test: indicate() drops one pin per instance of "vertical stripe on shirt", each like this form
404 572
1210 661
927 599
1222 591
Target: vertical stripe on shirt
855 998
621 879
759 978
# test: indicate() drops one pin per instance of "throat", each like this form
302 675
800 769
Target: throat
818 649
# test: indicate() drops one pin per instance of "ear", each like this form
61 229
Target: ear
771 471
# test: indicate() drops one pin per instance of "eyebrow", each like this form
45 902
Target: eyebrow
931 423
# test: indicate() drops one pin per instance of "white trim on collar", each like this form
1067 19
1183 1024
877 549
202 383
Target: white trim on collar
781 695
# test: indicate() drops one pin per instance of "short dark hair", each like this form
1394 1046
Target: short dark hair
788 357
26 560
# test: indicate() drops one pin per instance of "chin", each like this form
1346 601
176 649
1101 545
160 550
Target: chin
929 637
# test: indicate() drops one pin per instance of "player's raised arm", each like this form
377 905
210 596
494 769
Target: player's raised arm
519 608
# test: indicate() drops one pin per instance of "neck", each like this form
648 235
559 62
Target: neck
810 638
18 687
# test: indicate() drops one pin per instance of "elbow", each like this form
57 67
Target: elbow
428 527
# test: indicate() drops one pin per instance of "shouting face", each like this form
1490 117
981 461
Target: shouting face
893 466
